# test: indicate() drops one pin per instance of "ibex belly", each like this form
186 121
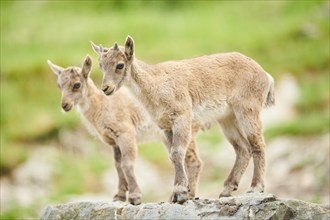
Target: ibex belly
210 111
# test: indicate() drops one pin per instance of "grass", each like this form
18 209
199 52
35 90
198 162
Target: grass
81 174
156 153
312 107
21 212
211 137
309 124
286 48
283 36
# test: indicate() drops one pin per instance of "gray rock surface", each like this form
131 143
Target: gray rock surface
248 206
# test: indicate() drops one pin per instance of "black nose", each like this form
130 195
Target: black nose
105 89
64 105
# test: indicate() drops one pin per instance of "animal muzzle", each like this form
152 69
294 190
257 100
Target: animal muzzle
66 106
108 90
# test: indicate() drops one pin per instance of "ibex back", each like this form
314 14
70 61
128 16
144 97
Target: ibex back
229 88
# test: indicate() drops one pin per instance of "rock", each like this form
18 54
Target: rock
255 206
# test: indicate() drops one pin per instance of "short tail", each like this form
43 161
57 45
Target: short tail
270 99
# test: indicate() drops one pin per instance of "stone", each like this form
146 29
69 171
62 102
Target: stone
247 206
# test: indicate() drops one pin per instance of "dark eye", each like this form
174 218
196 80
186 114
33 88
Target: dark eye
76 86
120 66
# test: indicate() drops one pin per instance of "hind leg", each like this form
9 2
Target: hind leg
193 165
258 151
252 127
236 137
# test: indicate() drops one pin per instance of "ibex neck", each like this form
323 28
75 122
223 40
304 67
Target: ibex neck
91 99
142 78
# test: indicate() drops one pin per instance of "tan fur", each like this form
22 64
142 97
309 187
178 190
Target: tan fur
119 120
227 88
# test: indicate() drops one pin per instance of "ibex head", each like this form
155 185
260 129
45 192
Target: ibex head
72 81
115 63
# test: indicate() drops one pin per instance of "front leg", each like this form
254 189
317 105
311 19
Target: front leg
128 148
181 135
122 183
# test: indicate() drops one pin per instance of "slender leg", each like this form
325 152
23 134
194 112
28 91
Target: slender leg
193 165
122 184
181 131
241 145
258 151
252 125
128 148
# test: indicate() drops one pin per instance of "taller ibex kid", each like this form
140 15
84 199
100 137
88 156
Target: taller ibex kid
227 88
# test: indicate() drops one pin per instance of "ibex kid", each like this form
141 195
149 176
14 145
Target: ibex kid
227 88
119 121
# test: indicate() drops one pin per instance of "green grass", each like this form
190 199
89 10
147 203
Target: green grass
161 32
315 95
156 153
283 36
211 137
21 212
309 124
77 173
312 108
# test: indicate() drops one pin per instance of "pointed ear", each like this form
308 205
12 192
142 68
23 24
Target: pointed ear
129 48
56 69
87 66
97 49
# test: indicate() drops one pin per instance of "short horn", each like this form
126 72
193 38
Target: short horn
116 47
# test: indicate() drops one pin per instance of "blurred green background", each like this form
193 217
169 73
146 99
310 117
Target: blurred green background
285 37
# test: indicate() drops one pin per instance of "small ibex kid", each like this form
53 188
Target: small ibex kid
229 88
119 121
